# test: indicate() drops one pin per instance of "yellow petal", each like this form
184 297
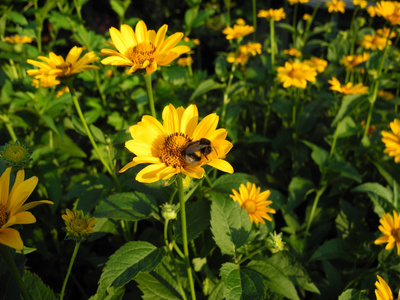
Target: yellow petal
170 42
21 194
170 118
118 40
25 217
193 171
189 120
32 204
206 127
5 186
11 238
127 166
222 165
116 61
128 35
160 35
141 32
150 173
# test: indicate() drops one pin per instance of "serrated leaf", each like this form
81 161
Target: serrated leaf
230 223
345 169
353 294
128 206
153 288
319 155
127 262
50 123
17 18
198 220
298 189
276 278
332 249
348 102
375 188
37 289
227 182
206 86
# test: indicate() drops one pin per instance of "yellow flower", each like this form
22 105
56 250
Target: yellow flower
240 58
347 89
293 52
275 243
256 204
179 145
390 227
335 6
18 39
374 42
296 74
392 143
78 226
13 210
306 17
142 48
389 10
318 64
385 95
272 14
383 291
45 81
293 2
62 91
250 48
15 155
350 61
55 65
238 30
360 3
185 61
371 10
384 32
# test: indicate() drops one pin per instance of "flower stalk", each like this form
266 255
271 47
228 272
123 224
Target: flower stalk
147 80
71 263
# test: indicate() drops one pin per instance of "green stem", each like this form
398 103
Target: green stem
184 236
314 207
254 20
89 134
272 37
178 278
294 21
10 128
71 263
335 136
97 80
147 79
4 251
305 35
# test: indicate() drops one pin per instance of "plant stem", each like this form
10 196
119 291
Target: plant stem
272 36
147 79
314 207
71 263
184 236
4 251
9 127
335 136
254 20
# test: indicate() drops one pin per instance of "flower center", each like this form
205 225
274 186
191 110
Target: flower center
79 225
65 67
3 215
250 206
14 153
296 73
396 234
172 152
142 52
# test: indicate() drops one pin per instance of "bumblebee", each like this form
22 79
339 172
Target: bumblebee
195 150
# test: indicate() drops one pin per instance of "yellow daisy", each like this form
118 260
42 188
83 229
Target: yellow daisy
389 10
350 61
239 30
374 42
335 6
179 145
55 65
256 204
296 74
293 2
292 52
250 48
392 141
383 291
360 3
45 81
78 225
142 48
347 89
318 64
13 210
274 14
240 58
390 227
18 39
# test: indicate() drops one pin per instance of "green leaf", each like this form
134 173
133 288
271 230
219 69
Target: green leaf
381 196
346 127
78 126
97 134
276 279
298 189
319 155
127 262
227 182
118 7
201 17
37 289
230 223
128 206
348 103
198 220
17 18
332 249
49 122
286 26
353 294
206 86
345 169
241 283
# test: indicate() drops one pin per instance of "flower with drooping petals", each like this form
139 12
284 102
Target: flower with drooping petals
392 142
296 74
350 61
142 49
13 209
250 48
335 6
390 227
383 291
239 30
164 146
254 202
272 14
389 10
317 63
347 89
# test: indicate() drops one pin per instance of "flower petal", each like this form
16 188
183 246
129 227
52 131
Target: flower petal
11 238
150 173
222 165
206 127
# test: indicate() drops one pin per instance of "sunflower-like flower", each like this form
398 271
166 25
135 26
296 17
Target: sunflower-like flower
142 48
385 95
389 10
254 202
390 227
350 61
13 210
360 3
55 66
79 226
335 6
293 2
272 14
318 64
238 59
238 31
179 145
383 291
18 39
392 142
292 52
296 74
348 88
373 42
15 155
185 61
250 48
